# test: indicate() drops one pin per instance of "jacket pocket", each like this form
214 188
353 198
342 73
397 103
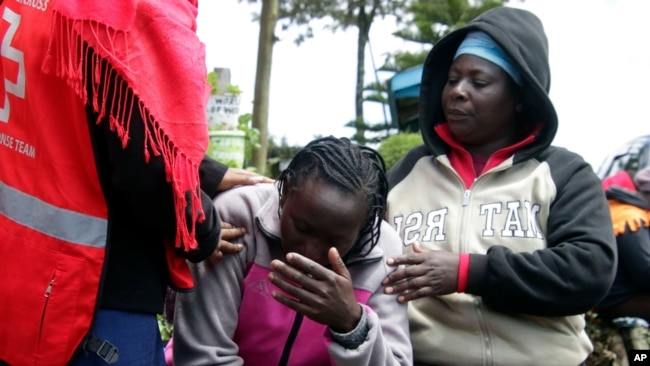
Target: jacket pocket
43 315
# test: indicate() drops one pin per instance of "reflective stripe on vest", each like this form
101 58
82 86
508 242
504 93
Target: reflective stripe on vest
66 225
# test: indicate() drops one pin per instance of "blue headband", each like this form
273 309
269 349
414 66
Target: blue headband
480 44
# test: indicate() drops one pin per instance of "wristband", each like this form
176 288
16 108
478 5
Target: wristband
354 338
463 272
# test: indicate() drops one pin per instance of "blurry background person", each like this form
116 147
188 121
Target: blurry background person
508 238
629 295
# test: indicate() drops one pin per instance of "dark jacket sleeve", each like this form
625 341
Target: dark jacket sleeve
578 266
211 173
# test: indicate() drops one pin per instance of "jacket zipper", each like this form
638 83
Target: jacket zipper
484 330
286 352
484 333
466 195
48 291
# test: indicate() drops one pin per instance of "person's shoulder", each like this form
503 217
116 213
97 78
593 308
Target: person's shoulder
259 190
368 271
560 152
562 156
404 166
390 241
567 165
249 197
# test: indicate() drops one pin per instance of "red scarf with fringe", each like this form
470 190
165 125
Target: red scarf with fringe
153 46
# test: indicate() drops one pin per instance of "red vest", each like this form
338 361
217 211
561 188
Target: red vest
53 216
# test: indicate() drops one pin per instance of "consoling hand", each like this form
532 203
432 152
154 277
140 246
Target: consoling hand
228 233
422 273
236 176
323 295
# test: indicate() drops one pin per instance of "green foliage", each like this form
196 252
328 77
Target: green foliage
360 127
435 19
341 14
212 80
278 154
233 89
166 329
376 98
283 150
396 146
400 61
376 92
426 22
244 123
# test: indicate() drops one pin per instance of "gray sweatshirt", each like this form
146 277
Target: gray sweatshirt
231 318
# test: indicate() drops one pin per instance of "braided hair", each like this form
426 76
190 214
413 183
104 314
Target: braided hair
351 168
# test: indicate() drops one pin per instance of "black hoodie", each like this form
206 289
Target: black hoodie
521 35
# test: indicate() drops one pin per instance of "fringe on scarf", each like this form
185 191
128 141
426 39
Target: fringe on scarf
66 58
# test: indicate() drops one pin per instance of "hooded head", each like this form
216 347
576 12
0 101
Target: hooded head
480 44
511 38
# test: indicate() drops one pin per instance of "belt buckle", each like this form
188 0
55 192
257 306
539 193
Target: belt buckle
107 352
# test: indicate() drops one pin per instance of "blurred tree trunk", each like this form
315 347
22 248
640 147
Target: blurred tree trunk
363 24
266 41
